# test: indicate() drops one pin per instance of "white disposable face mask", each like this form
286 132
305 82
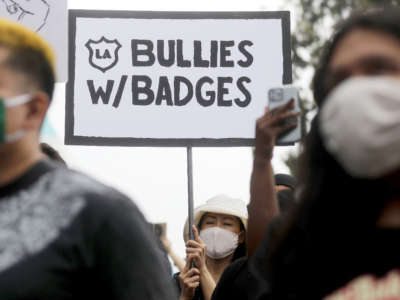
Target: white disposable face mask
220 243
360 125
7 103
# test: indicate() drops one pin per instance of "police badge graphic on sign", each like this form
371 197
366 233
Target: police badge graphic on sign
103 54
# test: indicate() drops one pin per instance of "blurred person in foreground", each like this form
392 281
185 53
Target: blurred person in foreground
219 239
348 221
62 234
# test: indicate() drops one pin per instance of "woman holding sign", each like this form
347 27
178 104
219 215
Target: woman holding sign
219 238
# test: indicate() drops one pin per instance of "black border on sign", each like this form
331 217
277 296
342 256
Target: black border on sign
71 139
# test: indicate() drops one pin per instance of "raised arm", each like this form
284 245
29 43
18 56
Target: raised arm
263 206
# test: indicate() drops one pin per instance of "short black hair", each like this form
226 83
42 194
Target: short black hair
29 54
35 66
241 249
51 153
385 19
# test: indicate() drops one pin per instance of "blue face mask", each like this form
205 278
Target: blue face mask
4 104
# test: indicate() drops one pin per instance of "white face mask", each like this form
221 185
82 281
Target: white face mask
220 243
7 103
360 125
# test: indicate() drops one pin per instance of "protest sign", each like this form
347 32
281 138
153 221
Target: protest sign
172 78
49 19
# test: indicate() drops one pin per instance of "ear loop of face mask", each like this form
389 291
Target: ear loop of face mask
7 103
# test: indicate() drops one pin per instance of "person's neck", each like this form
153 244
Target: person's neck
217 266
15 161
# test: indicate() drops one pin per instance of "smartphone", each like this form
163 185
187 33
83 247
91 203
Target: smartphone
160 229
280 96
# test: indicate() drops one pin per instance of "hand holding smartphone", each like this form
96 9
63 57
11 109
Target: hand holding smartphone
278 97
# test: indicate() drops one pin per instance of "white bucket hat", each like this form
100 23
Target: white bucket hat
220 204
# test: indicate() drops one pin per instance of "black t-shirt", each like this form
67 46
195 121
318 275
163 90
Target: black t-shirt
258 263
236 281
66 236
306 270
244 279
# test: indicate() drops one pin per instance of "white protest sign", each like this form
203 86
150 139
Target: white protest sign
49 19
172 78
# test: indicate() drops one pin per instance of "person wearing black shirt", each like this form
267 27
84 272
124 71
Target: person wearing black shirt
222 223
239 280
62 234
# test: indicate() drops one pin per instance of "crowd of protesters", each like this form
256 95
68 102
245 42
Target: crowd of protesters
328 234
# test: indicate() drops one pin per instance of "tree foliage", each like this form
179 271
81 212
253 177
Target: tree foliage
316 21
